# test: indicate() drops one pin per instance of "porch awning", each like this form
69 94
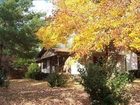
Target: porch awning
46 55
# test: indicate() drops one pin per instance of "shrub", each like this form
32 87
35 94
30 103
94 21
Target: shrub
105 85
117 84
3 78
57 80
20 67
94 81
134 74
41 76
33 70
21 63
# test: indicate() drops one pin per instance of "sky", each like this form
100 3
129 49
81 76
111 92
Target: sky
43 6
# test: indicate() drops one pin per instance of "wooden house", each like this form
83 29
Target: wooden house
52 60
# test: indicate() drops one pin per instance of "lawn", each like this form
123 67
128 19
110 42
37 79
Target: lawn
31 92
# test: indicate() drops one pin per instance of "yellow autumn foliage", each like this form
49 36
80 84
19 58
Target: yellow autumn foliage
95 25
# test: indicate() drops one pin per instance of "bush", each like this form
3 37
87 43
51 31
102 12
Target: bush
21 63
33 71
132 75
105 85
41 76
20 67
94 81
57 80
3 78
117 84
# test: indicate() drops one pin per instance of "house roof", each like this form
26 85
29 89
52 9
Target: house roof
48 53
63 50
43 50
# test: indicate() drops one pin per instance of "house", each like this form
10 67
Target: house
52 59
56 60
130 61
125 60
133 63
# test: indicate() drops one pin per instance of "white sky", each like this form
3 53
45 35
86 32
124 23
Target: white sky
43 6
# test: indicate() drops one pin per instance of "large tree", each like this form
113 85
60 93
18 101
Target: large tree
95 24
18 23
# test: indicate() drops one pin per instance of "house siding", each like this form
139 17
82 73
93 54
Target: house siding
131 61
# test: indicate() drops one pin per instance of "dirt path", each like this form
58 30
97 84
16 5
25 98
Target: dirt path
29 92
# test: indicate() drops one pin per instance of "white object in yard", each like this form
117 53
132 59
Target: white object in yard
74 68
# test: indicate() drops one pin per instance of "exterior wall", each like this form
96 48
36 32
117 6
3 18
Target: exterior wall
44 69
131 61
138 61
128 61
51 65
125 62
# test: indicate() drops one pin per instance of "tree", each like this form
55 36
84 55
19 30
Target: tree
95 25
17 27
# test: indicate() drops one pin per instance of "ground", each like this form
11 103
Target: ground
135 90
31 92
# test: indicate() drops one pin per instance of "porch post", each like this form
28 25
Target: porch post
58 63
50 63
